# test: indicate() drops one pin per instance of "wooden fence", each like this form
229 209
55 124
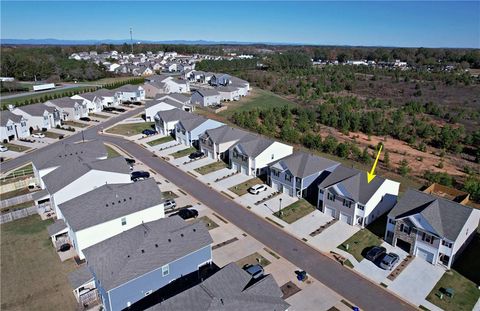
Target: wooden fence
12 185
22 213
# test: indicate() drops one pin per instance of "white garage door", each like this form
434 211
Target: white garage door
346 218
244 170
288 191
276 186
330 211
426 255
236 167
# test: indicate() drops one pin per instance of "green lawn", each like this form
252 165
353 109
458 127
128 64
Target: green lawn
295 211
22 171
208 222
111 153
242 188
33 277
212 167
358 242
18 101
130 129
183 152
98 116
169 195
465 296
74 124
253 259
159 141
17 207
15 193
14 147
52 135
468 264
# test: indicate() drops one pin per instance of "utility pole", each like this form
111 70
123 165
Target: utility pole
131 38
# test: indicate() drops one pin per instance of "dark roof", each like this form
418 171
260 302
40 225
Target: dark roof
110 202
302 164
80 276
225 134
60 153
207 92
191 124
56 227
353 183
144 248
157 78
446 217
77 167
65 102
174 115
127 88
229 289
104 93
181 98
37 109
88 96
8 115
253 145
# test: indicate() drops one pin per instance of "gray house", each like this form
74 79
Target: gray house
166 120
12 126
70 108
139 261
215 143
230 289
431 227
39 116
299 174
206 97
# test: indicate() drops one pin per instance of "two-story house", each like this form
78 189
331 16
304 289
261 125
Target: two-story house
94 103
39 116
130 93
70 108
346 194
107 97
109 210
12 126
206 97
252 154
188 131
299 174
215 143
165 103
431 227
166 120
139 261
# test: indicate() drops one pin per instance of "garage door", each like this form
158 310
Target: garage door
244 170
276 186
288 191
236 167
330 211
424 254
346 218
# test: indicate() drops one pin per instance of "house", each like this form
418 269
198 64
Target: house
163 84
345 194
142 71
133 264
83 285
107 211
228 93
92 101
107 97
229 289
188 131
431 227
243 87
166 120
39 116
299 174
215 143
12 126
206 97
220 79
167 102
252 154
130 93
70 108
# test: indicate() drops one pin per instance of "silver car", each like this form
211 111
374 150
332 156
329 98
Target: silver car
389 261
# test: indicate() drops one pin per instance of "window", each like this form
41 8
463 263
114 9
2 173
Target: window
276 173
330 196
124 221
288 177
427 238
347 203
273 156
447 244
165 270
391 221
361 207
405 228
9 127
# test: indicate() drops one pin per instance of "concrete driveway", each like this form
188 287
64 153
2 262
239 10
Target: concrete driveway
232 181
249 199
407 283
198 163
333 236
211 177
9 154
172 146
306 225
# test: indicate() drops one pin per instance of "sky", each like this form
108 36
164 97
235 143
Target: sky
378 23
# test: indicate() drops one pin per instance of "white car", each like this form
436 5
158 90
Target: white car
170 204
3 148
38 135
257 189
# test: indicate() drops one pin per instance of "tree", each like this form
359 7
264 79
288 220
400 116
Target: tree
342 150
365 156
386 159
472 186
404 169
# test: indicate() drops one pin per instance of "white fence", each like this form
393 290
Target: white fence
22 213
7 186
16 200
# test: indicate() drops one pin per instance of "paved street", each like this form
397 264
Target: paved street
345 282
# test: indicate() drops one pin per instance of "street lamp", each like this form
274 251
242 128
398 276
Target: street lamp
280 208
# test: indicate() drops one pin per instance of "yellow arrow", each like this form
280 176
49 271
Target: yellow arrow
370 175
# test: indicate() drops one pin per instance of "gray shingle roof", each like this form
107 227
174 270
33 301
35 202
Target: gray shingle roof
104 93
65 102
174 115
302 164
181 98
144 248
353 183
77 167
60 153
253 145
56 227
37 109
225 134
191 124
167 101
207 92
8 115
127 88
110 202
446 217
228 289
80 276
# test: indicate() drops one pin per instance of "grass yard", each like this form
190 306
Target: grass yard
183 152
130 129
15 193
52 135
465 296
208 222
17 207
358 242
98 116
111 153
18 101
253 259
468 263
242 188
295 211
169 195
22 171
212 167
74 124
159 141
111 80
16 148
33 277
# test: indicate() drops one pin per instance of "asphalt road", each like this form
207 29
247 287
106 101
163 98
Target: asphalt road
350 285
63 87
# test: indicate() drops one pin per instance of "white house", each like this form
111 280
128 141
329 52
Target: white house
130 93
39 116
166 120
163 84
206 97
345 194
165 103
70 108
109 210
228 93
12 126
252 154
188 131
107 98
94 103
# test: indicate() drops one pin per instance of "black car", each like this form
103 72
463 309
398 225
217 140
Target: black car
130 161
196 155
186 213
119 109
139 175
149 132
85 119
375 253
109 109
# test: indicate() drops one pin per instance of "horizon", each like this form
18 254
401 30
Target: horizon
352 24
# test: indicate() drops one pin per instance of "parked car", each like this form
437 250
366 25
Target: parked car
130 162
256 271
139 175
85 119
196 155
65 247
3 148
119 109
170 204
38 135
375 253
389 261
186 213
257 189
149 132
137 103
108 109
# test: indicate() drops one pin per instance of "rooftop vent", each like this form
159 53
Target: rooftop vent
156 245
194 230
169 240
143 251
181 234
